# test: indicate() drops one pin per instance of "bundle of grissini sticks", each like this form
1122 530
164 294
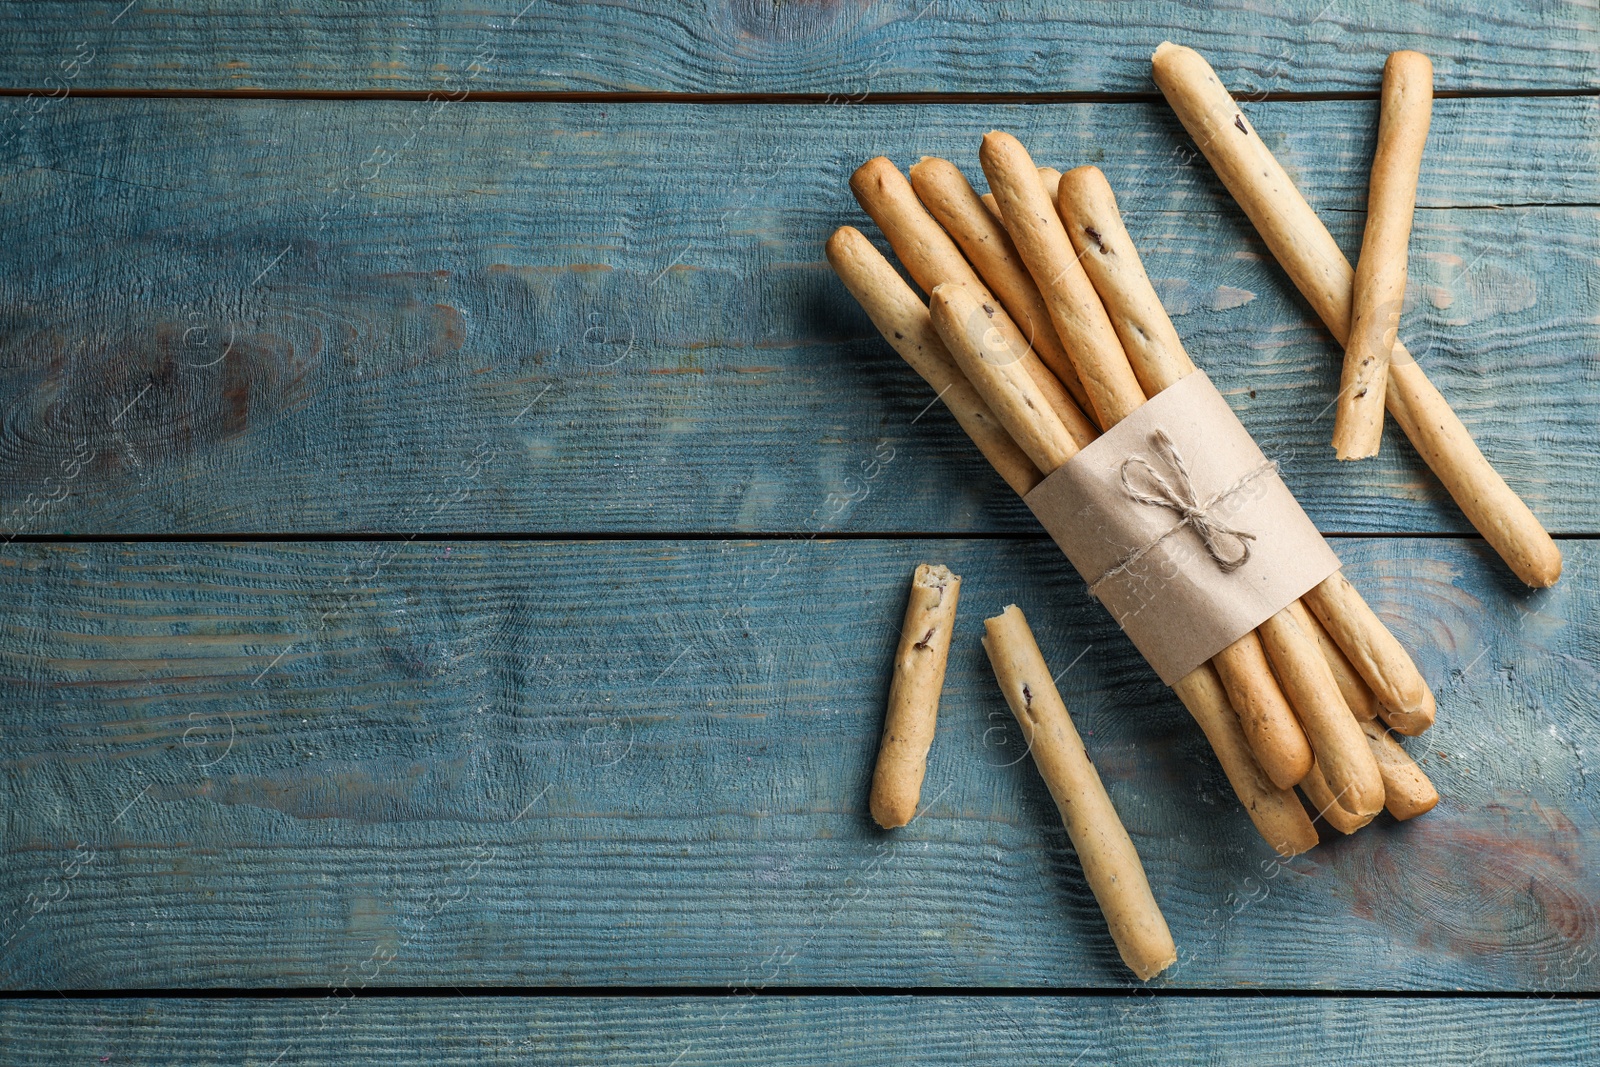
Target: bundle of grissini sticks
1283 706
1041 332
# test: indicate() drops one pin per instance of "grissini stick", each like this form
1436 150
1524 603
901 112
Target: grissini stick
1276 735
1080 319
1089 212
1404 699
1109 256
1403 118
966 325
1276 812
1086 328
904 322
1110 863
944 190
1408 790
1330 806
1357 694
1305 249
1049 175
919 665
1343 756
932 259
902 319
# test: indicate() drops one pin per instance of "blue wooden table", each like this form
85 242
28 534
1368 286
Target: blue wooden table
455 529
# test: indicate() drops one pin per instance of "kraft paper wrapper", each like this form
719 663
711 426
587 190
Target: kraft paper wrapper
1176 603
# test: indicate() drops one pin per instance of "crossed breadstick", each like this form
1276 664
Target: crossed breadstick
1306 250
1380 283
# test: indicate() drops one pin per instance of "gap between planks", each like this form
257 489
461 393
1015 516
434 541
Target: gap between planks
790 99
652 535
600 992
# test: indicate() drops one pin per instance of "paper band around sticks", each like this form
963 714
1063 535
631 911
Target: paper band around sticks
1176 587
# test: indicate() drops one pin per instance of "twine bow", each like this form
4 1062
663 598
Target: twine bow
1179 495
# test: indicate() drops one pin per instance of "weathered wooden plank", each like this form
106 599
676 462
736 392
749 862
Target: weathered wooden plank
765 46
804 1030
321 316
647 762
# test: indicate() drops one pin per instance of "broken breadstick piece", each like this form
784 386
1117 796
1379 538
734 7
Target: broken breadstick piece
1408 791
1380 285
902 318
1110 863
945 192
1330 808
913 714
1276 812
932 259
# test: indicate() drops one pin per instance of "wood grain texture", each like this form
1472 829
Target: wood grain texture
803 1031
309 317
817 46
648 763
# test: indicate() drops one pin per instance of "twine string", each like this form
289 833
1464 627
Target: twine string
1228 547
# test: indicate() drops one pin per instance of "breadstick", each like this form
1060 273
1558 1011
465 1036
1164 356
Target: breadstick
966 325
1380 284
1408 789
932 259
914 694
1328 805
902 319
1080 319
1109 256
1404 699
1381 269
1276 812
1346 763
1305 249
1110 863
1088 210
1275 735
1357 694
944 191
1050 178
1049 175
